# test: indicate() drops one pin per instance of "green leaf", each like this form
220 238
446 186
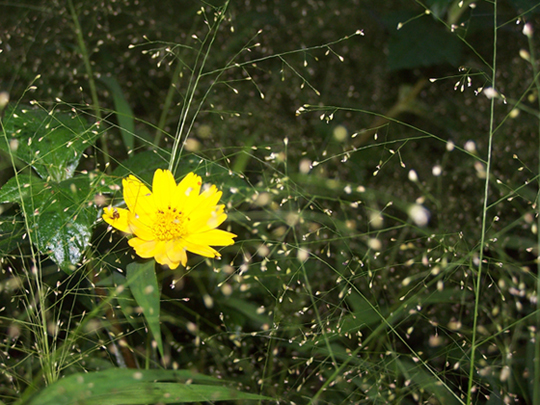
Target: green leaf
60 215
420 42
142 281
51 142
142 165
123 297
124 114
239 308
426 381
127 386
11 233
363 314
20 188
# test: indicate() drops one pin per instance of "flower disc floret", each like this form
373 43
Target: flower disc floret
171 219
169 224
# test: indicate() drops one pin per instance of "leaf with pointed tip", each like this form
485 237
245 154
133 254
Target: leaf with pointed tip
124 113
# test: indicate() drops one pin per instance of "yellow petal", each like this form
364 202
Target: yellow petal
204 202
211 195
186 190
163 258
203 250
204 221
172 265
137 196
140 227
163 188
117 217
176 251
214 237
145 248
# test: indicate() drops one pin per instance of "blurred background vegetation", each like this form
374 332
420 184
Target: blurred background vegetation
339 124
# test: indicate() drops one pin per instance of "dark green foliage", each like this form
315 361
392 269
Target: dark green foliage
142 282
422 42
122 386
59 209
353 166
60 216
51 143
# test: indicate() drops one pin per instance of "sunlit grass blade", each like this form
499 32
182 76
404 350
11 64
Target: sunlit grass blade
126 386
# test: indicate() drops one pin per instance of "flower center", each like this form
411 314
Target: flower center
169 224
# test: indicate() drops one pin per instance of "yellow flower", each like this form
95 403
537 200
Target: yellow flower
171 219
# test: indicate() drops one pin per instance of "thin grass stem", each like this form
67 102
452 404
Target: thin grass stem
477 291
178 145
527 30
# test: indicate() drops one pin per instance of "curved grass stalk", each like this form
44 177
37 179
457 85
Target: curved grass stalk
194 79
474 342
183 127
